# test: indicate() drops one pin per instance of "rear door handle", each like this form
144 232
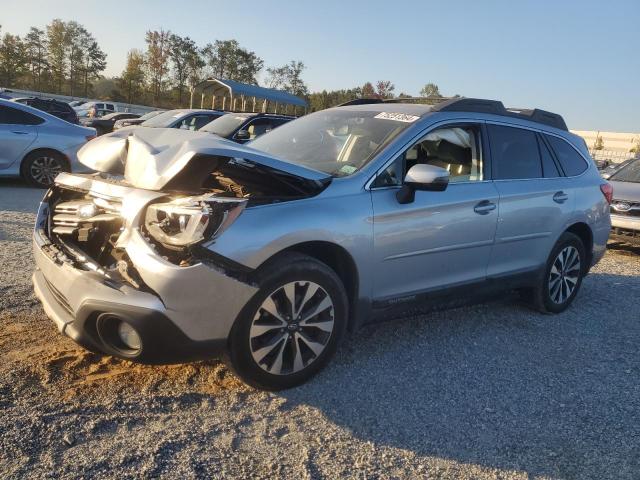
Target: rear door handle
560 197
484 207
19 132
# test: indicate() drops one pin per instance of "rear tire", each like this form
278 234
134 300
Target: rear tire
39 169
277 343
562 276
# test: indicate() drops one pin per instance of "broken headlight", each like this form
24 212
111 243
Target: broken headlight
186 221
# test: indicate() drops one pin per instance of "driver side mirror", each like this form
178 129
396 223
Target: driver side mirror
242 135
422 177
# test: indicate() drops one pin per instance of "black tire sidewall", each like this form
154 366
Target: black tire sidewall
29 159
239 354
567 239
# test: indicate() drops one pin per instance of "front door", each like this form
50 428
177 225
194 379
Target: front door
441 239
16 134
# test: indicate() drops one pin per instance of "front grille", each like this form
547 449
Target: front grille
59 297
72 215
625 207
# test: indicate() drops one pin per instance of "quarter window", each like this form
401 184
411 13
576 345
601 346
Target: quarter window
514 153
570 160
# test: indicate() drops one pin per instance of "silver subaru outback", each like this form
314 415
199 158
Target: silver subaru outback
184 246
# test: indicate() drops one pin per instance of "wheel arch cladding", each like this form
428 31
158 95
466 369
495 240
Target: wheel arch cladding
340 261
584 233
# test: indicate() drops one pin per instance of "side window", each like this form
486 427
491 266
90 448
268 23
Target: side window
514 153
572 163
259 127
200 121
456 149
549 167
13 116
110 106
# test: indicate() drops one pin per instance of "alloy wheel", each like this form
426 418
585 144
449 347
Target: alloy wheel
291 328
564 275
45 169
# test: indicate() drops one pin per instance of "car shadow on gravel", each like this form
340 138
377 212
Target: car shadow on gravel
498 385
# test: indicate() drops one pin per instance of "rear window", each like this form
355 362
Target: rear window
572 163
514 153
13 116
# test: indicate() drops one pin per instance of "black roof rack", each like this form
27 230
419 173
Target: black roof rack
478 105
496 107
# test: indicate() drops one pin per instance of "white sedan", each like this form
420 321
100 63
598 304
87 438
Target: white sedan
37 146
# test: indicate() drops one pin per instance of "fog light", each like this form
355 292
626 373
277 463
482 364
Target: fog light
129 336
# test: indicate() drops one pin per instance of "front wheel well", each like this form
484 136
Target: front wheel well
340 261
583 231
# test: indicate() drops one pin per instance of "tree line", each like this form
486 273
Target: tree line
65 58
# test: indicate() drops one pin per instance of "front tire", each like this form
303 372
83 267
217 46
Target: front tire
292 326
562 277
39 169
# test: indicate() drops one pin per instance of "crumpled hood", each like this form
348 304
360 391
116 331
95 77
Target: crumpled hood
153 156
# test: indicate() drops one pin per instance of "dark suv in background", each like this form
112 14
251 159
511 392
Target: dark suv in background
52 107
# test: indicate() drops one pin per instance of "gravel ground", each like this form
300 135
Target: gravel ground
490 391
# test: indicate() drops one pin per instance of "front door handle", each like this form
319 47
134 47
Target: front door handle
560 197
19 132
484 207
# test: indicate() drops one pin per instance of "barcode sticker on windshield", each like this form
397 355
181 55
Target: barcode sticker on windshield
398 117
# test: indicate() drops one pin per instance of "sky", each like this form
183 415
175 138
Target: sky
577 58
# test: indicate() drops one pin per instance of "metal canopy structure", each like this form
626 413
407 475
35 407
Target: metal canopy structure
238 97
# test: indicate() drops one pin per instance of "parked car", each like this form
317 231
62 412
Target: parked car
612 168
105 124
185 119
95 109
135 121
625 208
53 107
244 127
270 253
77 103
36 145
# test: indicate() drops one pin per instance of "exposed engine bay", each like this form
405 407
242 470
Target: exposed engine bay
176 197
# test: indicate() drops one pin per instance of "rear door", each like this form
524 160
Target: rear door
536 201
17 132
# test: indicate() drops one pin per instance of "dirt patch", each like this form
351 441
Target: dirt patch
32 349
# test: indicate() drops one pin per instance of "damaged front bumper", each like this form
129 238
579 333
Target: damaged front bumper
183 313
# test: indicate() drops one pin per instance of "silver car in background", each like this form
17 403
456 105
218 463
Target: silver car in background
190 246
37 146
182 118
625 207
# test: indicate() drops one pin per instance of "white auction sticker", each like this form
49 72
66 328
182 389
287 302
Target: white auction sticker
398 117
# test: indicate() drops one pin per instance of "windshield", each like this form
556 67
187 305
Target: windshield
163 119
149 115
628 173
225 125
337 141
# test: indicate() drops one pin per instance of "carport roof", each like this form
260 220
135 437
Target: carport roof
231 88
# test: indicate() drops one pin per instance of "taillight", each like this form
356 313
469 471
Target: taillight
607 191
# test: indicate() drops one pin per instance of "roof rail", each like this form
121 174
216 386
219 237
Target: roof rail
496 107
478 105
